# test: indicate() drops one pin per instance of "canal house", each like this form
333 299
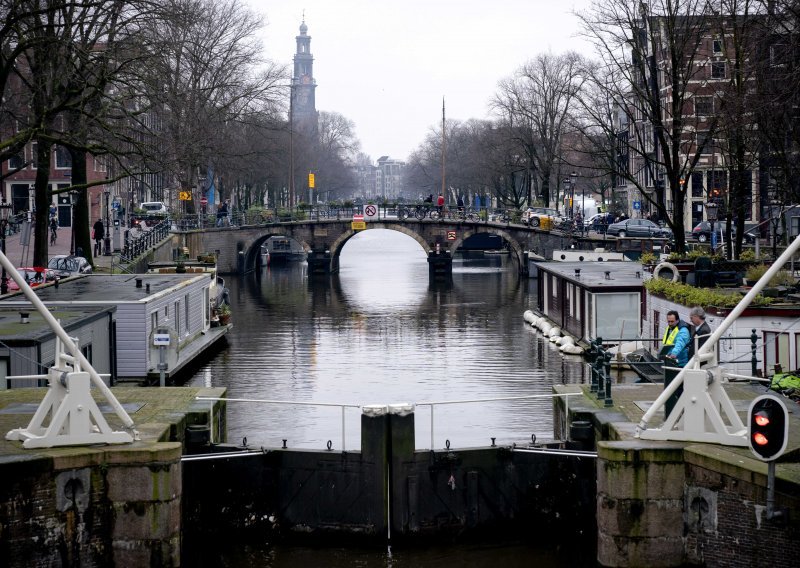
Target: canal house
592 299
179 304
28 346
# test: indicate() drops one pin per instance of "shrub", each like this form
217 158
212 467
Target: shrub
690 296
648 258
748 254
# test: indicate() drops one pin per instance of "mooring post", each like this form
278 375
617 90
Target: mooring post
403 498
375 455
609 401
753 356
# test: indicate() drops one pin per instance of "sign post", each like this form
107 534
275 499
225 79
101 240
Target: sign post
358 223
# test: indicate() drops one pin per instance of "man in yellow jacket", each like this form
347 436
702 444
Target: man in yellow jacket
677 336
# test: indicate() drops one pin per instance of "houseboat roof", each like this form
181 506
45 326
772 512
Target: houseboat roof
103 289
597 275
15 327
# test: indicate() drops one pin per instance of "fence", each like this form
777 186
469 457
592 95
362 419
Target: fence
136 244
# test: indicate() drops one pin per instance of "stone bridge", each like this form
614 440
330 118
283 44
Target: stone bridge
324 240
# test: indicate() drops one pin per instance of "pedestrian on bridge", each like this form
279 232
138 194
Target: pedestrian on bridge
440 203
222 213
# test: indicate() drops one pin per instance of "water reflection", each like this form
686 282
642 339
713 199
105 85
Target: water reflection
379 333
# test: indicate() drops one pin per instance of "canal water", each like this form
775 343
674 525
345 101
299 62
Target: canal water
380 333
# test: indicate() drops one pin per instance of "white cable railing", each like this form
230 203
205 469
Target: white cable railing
344 406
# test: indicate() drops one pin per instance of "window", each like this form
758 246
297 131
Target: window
87 352
178 318
154 320
617 315
63 158
186 312
704 106
16 162
776 346
716 46
697 184
704 141
4 365
779 55
718 70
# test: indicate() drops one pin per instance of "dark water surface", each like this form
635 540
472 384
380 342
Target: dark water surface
379 333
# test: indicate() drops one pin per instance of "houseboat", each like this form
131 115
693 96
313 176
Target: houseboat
29 344
592 299
283 249
177 304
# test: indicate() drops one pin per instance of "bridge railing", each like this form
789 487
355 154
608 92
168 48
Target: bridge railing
138 241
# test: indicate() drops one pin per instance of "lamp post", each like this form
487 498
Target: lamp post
5 213
568 196
72 196
107 234
573 181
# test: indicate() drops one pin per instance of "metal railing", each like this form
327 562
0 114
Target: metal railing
137 244
344 406
212 400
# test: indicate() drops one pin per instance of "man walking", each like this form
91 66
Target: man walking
98 232
702 330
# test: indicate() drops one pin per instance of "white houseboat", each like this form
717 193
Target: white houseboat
592 299
145 303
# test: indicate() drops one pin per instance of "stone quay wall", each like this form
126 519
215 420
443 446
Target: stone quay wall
92 507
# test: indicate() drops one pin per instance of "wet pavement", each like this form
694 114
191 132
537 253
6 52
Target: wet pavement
21 255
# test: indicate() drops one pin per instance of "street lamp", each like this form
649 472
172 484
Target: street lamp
73 195
107 235
573 181
568 197
5 213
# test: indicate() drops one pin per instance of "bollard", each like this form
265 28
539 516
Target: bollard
609 401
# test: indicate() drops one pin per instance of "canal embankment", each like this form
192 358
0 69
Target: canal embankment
663 503
101 505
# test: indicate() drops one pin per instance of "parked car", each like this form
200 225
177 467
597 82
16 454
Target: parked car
702 232
35 276
596 222
638 228
70 265
533 215
155 208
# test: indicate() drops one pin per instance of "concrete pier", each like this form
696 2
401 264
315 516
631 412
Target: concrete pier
440 266
676 503
100 505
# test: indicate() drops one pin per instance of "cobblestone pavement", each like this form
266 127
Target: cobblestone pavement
22 256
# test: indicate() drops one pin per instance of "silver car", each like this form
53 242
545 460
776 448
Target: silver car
637 228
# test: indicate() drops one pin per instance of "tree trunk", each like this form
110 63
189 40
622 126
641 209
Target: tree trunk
42 199
80 209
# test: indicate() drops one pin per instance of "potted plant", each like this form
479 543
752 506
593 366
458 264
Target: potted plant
224 314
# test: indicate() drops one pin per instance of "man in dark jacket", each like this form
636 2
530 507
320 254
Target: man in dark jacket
701 329
98 232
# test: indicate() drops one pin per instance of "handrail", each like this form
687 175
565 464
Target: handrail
343 406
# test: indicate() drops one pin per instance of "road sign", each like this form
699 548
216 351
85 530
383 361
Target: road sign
358 223
185 195
161 339
310 179
370 211
204 200
637 205
451 235
115 205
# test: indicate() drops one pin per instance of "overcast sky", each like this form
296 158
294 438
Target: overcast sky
386 65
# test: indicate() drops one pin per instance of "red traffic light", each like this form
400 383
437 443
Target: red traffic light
768 427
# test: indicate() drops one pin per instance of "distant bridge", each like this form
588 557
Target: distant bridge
324 240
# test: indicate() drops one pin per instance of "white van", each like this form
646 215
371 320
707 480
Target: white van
154 208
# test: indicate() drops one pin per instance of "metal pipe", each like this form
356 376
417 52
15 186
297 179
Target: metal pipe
67 340
743 304
555 451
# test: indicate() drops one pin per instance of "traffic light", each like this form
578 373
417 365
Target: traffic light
768 427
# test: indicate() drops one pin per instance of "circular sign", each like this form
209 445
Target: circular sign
204 201
370 210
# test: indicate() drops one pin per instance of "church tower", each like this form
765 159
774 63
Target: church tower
304 109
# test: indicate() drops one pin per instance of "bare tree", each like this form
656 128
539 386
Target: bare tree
535 104
652 53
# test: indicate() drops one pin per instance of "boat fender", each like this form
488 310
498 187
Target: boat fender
546 327
566 340
571 349
555 332
666 266
528 316
537 322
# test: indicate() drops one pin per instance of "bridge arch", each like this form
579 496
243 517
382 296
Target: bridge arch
253 248
516 250
338 244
